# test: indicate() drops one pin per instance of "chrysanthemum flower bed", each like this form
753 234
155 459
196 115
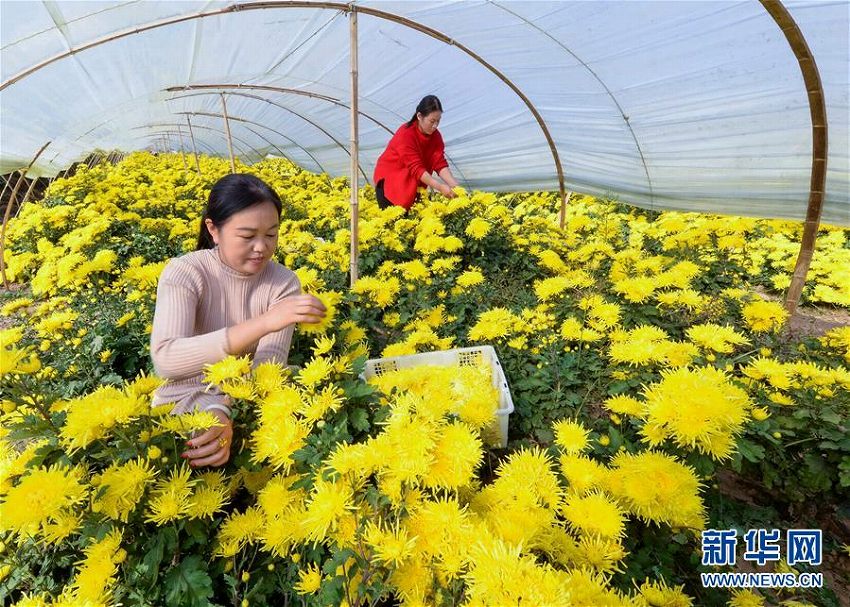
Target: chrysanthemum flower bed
641 357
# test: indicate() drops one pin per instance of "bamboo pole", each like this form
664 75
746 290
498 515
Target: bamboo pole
817 110
355 178
49 184
9 212
565 200
26 196
227 130
182 151
6 185
194 147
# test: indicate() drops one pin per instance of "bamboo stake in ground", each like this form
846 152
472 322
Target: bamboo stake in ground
355 182
565 200
9 212
227 130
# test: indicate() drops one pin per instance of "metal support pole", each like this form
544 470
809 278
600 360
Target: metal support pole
194 147
355 180
9 212
227 130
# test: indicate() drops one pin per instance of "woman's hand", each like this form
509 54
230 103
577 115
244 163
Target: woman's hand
445 190
212 448
295 309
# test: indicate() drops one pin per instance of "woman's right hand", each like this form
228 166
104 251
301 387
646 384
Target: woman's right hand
294 309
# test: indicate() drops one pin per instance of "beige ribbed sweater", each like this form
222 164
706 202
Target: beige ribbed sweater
197 299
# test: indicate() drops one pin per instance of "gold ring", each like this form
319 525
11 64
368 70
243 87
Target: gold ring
222 442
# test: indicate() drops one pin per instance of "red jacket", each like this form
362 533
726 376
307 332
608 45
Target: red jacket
409 154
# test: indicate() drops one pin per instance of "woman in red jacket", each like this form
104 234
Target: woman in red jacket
412 155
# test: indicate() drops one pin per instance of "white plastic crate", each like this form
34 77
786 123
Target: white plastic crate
460 357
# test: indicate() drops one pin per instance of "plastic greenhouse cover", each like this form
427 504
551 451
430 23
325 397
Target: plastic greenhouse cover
691 105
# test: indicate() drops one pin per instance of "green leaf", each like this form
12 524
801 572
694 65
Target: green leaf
751 451
149 567
359 419
358 389
618 387
188 583
844 472
828 415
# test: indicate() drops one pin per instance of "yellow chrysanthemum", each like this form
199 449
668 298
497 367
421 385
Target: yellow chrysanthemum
594 514
582 473
571 436
698 409
719 338
470 278
764 316
228 369
330 299
90 417
315 372
493 324
457 453
186 424
121 486
309 580
391 545
40 496
659 593
657 488
328 503
96 573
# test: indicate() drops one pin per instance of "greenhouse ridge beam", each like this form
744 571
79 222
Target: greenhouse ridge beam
817 109
346 8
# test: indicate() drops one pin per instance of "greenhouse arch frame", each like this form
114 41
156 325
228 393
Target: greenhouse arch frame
777 11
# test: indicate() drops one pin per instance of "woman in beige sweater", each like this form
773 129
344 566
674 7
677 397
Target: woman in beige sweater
227 297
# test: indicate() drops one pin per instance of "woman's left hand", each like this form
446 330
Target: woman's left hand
212 448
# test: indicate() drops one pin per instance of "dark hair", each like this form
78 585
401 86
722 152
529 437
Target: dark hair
429 104
229 195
